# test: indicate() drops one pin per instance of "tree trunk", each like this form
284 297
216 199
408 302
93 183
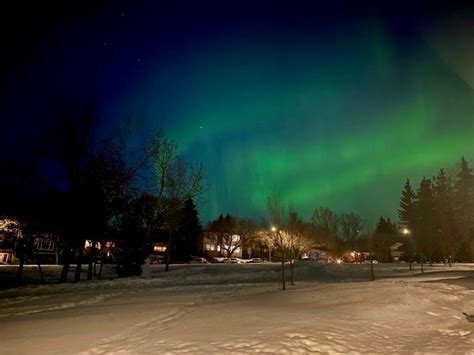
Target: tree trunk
21 255
269 255
90 270
77 274
410 255
372 268
422 270
66 264
291 272
283 282
168 251
100 270
40 270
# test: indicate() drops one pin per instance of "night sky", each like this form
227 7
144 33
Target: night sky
332 105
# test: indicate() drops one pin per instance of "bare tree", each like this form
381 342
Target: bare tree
269 239
175 182
275 208
296 239
351 225
248 232
325 219
225 234
325 223
296 243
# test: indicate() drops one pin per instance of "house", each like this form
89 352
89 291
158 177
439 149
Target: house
396 254
45 248
7 249
158 252
215 245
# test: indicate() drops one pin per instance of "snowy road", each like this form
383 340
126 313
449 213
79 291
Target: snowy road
402 315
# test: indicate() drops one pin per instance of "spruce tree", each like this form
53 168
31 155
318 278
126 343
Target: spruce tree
446 227
381 226
464 208
189 231
425 231
383 238
407 211
407 216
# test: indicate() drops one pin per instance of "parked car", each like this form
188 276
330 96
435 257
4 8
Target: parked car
256 260
218 259
156 259
368 261
239 260
198 260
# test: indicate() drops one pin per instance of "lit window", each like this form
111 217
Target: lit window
159 248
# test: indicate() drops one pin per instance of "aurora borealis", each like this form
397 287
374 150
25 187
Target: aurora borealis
334 106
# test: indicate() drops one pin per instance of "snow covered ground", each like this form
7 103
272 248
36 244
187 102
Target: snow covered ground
240 309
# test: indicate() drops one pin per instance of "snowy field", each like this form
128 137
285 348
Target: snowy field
235 308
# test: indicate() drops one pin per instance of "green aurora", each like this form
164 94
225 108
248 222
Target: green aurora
338 122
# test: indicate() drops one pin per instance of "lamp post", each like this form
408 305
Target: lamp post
277 232
406 233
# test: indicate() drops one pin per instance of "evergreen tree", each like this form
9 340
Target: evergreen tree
407 213
385 235
444 216
425 229
189 238
385 226
464 208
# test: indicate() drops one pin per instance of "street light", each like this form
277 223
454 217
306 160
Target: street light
406 232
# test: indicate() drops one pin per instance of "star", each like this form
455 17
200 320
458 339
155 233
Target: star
200 127
138 60
123 14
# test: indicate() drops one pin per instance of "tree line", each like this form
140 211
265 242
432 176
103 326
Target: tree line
438 218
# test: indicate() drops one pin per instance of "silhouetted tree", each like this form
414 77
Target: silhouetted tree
325 223
464 209
248 231
446 228
224 234
351 225
408 216
175 182
425 230
296 239
275 207
385 236
189 234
